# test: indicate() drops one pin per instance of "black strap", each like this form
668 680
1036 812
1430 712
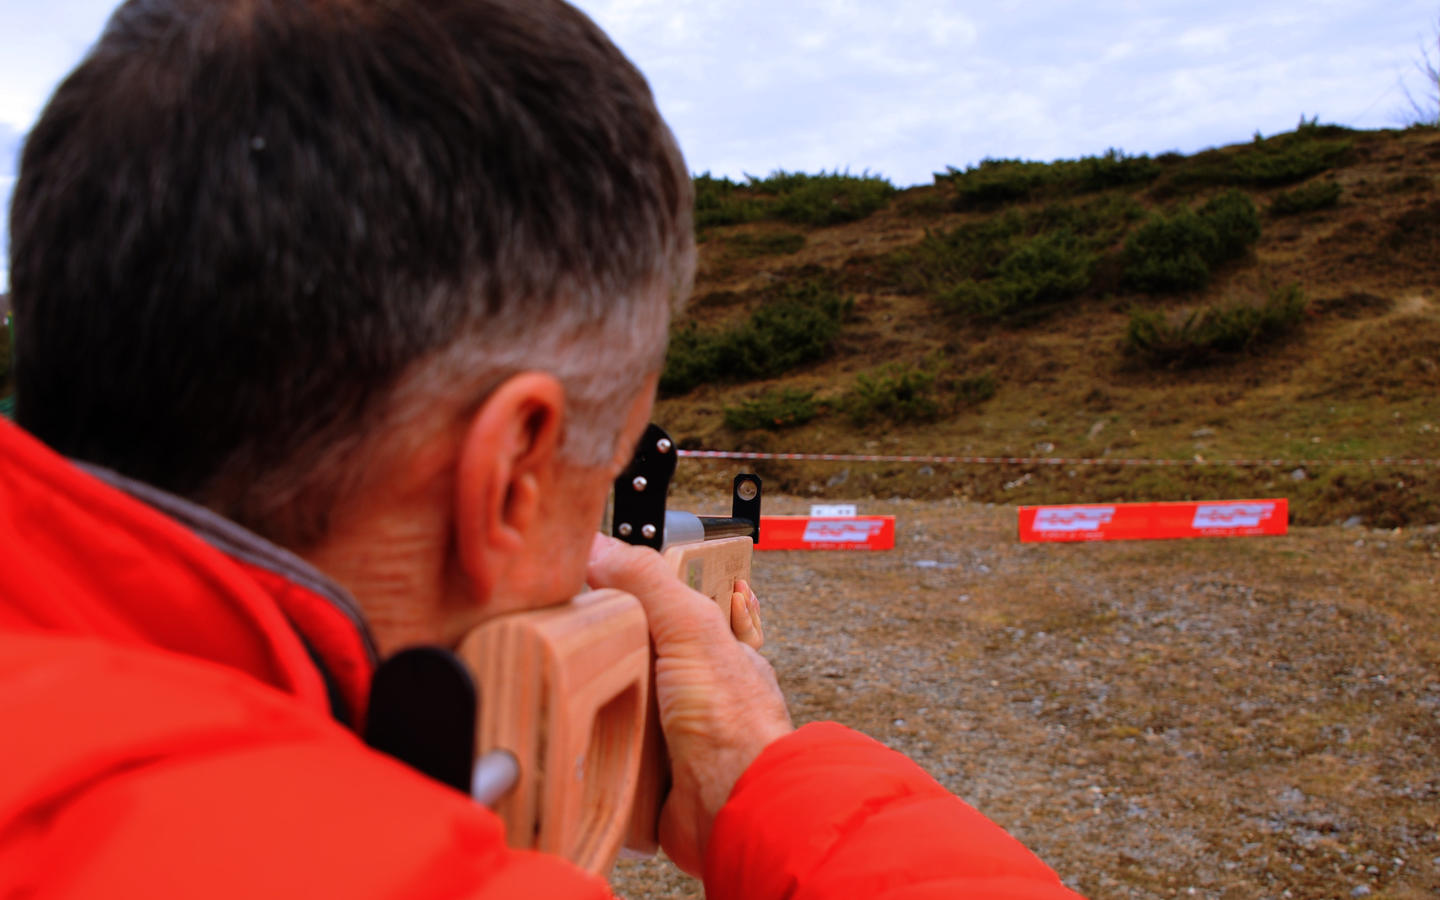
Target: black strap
423 709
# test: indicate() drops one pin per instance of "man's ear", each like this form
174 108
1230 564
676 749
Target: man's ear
507 459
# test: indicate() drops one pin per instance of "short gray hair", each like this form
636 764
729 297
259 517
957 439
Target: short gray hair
249 237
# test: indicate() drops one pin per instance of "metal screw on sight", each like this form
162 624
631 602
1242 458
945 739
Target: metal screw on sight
649 532
747 490
625 529
664 445
640 483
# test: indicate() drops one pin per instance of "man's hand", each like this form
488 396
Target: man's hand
719 701
745 616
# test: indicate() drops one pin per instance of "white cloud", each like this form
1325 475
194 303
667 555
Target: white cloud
815 40
39 43
1204 40
1119 52
951 31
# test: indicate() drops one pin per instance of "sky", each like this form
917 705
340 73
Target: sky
906 88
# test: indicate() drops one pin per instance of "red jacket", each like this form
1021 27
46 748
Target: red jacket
172 690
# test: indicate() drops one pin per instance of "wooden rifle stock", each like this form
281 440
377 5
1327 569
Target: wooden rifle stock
568 690
565 690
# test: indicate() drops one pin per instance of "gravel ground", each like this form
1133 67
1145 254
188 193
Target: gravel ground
1235 718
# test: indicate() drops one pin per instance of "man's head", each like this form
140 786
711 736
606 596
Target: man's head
253 242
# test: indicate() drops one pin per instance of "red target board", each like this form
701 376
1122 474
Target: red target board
825 533
1154 521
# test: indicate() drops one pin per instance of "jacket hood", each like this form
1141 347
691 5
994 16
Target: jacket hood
90 552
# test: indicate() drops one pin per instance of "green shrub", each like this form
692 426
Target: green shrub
1207 168
792 326
1115 169
1048 268
693 358
978 250
901 394
778 182
1177 252
976 299
996 181
974 390
1306 198
1017 265
1202 337
772 411
720 201
1312 128
1283 159
1236 223
1041 272
1169 253
923 203
817 200
766 243
1101 222
798 328
1289 161
820 200
943 258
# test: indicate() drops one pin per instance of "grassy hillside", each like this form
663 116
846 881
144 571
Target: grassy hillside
1274 299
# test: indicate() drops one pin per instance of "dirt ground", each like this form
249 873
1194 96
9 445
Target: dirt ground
1227 718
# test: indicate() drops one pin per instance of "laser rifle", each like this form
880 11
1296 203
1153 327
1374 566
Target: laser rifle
708 553
548 716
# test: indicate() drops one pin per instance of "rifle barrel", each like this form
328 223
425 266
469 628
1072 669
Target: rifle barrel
688 528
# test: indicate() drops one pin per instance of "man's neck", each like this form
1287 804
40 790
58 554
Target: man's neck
394 563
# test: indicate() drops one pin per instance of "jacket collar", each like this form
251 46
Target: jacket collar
337 638
91 552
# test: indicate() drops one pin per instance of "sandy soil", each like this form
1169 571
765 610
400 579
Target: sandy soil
1241 718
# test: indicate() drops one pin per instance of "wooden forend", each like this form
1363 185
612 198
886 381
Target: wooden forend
710 567
566 689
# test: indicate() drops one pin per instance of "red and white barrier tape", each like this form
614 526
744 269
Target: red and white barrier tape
1154 521
1053 461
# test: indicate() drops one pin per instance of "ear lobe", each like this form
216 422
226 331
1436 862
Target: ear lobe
506 463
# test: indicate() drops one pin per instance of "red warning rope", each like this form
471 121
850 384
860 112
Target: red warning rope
1056 461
